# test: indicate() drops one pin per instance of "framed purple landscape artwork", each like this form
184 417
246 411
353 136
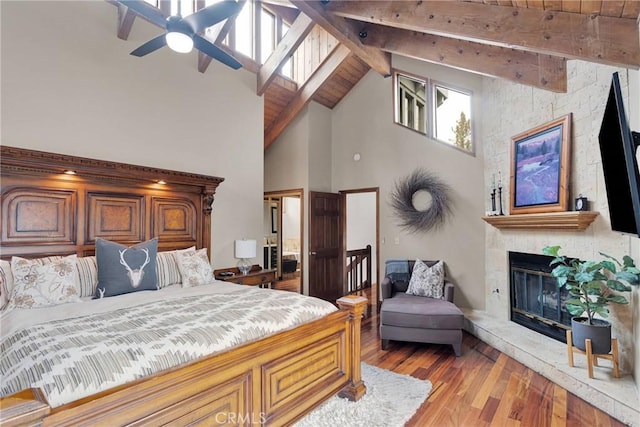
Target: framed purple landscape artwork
540 166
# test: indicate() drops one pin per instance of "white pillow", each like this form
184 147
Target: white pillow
41 285
427 281
194 266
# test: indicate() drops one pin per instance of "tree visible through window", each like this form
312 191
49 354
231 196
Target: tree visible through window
462 131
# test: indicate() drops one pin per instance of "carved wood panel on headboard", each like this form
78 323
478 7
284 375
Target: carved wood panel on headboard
46 211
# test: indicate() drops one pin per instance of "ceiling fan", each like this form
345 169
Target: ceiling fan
182 33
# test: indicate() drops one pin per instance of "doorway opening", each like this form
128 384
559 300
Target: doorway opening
283 238
362 237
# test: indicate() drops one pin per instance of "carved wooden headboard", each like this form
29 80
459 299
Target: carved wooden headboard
46 211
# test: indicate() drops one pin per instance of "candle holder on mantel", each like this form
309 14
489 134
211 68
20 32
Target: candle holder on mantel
500 200
493 201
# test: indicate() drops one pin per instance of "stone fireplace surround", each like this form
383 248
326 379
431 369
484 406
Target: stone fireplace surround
547 356
507 110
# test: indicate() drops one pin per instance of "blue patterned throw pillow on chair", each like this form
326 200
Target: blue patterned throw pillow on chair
124 269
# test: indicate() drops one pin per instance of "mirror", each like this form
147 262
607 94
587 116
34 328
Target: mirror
283 225
271 212
410 95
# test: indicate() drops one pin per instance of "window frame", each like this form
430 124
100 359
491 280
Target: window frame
397 106
430 115
432 134
273 34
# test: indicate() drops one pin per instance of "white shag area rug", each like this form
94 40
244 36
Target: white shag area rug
390 401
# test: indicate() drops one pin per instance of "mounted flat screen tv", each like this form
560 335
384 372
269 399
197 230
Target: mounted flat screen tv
618 145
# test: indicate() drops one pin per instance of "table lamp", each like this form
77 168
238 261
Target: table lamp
245 251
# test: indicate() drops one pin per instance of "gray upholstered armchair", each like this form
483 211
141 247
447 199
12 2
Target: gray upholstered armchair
405 317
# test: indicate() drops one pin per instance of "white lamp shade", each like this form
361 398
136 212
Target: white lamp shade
245 248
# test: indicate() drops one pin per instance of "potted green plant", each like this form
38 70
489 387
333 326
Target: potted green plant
590 285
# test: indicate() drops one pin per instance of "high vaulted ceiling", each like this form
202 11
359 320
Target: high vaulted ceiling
525 41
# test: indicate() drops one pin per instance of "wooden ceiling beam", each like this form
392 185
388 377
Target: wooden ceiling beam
529 68
126 17
324 72
289 43
347 34
602 39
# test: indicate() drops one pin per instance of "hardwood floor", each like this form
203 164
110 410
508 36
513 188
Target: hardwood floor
483 387
289 283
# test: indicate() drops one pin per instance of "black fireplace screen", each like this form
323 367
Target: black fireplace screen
536 301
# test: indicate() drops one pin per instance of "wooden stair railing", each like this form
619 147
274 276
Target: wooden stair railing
358 269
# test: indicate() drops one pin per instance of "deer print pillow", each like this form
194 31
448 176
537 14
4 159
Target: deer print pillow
124 269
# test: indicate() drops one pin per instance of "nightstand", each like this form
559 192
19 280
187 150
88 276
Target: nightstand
256 277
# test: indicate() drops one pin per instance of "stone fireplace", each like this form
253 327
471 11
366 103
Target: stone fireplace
526 108
536 302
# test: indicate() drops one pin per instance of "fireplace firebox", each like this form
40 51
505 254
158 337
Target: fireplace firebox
536 301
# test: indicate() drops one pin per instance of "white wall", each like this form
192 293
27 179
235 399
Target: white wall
511 109
290 218
286 160
70 86
319 147
363 123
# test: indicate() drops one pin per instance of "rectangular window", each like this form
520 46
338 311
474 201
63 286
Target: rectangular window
182 8
411 98
449 114
452 116
268 36
244 30
287 67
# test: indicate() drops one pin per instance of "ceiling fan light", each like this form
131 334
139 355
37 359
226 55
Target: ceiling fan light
179 42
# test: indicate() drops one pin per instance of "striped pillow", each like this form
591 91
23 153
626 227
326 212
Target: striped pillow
87 275
168 271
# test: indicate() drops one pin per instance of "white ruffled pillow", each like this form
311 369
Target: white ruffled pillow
194 266
427 281
41 285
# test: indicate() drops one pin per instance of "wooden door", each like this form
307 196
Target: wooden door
326 247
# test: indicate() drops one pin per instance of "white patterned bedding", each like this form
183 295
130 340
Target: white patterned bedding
95 345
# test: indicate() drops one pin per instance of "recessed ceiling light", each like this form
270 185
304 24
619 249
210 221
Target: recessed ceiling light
69 172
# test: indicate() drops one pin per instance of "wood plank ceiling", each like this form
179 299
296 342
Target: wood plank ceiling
525 41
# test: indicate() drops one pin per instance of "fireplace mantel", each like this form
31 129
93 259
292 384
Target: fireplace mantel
571 220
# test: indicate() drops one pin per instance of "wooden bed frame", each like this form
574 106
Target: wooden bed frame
272 381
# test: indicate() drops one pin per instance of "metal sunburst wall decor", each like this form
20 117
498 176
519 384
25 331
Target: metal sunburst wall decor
402 201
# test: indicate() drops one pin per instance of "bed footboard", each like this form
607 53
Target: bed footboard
272 381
